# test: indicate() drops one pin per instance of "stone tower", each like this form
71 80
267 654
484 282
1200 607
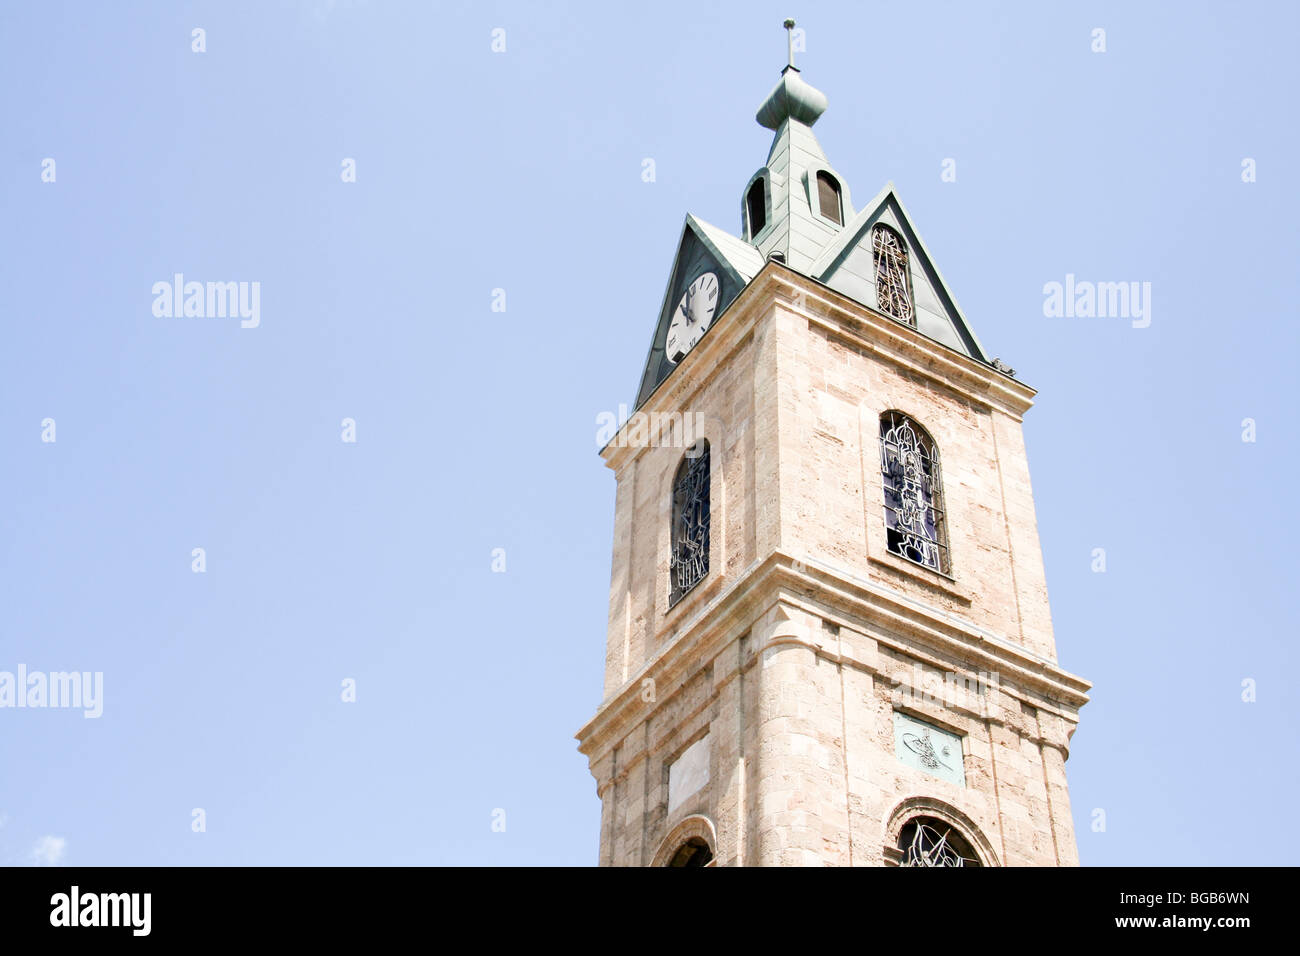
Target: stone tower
829 634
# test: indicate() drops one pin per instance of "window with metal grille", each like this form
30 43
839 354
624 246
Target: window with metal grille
694 852
690 531
927 841
893 282
828 198
914 518
756 204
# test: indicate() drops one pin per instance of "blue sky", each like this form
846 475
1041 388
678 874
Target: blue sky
475 429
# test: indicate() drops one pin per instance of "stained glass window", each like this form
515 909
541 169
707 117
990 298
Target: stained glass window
909 467
690 530
893 283
926 841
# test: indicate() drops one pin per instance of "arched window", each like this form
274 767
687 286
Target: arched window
694 852
690 531
690 843
909 466
828 197
929 841
756 206
893 282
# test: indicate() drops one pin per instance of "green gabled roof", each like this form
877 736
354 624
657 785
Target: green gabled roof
731 250
846 265
702 247
838 256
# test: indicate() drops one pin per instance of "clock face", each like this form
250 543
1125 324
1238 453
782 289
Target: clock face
692 318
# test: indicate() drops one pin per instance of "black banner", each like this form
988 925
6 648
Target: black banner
367 905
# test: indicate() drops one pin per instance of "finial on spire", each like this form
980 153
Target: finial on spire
792 98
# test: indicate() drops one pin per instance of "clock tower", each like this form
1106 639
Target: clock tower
829 635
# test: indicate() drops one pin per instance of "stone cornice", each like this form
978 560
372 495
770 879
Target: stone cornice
781 578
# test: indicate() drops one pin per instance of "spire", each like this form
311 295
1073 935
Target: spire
792 219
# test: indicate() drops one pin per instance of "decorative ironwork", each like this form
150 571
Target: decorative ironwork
923 845
690 529
893 284
914 521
